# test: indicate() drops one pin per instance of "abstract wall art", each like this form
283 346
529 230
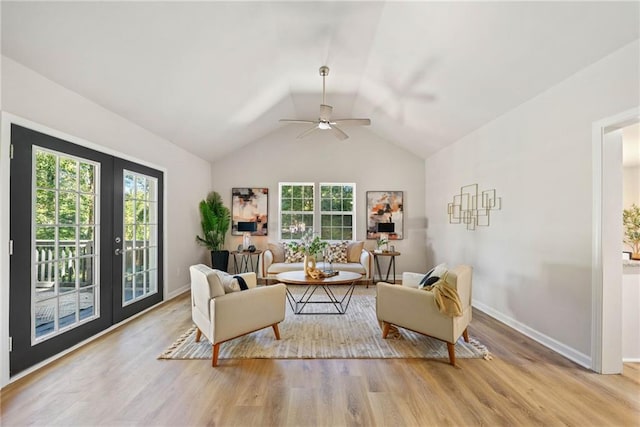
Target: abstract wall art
385 206
250 205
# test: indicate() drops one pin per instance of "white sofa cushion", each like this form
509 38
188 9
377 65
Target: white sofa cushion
281 267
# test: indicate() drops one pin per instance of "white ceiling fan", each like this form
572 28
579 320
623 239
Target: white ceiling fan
324 122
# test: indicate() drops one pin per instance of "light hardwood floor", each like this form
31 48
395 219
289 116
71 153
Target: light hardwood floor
117 380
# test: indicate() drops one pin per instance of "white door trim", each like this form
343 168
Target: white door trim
606 334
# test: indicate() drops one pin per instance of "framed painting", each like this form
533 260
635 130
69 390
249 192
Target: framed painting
385 208
250 205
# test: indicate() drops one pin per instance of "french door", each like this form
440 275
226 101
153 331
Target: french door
86 236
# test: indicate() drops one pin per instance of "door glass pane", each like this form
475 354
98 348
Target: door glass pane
67 207
140 255
87 209
68 174
67 310
46 203
86 178
87 303
64 279
45 317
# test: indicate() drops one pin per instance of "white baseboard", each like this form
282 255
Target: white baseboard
631 360
551 343
178 291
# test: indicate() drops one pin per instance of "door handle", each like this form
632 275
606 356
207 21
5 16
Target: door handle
118 251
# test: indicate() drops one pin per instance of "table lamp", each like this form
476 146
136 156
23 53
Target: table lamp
246 228
384 228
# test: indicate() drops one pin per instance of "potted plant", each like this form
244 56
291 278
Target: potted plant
631 222
215 220
381 242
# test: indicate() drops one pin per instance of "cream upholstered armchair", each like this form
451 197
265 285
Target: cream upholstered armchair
222 311
415 309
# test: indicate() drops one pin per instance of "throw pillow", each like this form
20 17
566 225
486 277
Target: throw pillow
215 284
354 249
241 282
436 272
277 249
337 252
292 256
428 282
229 283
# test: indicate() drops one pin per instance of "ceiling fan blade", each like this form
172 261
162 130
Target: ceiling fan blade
308 131
361 122
339 133
296 121
325 112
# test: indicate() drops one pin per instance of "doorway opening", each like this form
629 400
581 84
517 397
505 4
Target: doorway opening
606 342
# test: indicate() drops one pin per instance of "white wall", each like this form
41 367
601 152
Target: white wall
30 96
533 264
372 163
631 187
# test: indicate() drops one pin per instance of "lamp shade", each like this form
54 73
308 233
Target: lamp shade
247 226
386 227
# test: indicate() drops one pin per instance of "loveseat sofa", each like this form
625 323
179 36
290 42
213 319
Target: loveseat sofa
275 260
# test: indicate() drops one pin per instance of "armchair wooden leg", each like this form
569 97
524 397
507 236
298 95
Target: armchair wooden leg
452 353
276 330
214 357
385 329
198 334
465 335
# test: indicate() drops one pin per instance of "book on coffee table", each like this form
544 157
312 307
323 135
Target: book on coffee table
329 273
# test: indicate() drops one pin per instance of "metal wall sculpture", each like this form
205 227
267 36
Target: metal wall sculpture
473 208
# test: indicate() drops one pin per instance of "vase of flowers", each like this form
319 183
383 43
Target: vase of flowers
310 246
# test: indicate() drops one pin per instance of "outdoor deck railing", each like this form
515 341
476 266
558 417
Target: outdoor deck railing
72 261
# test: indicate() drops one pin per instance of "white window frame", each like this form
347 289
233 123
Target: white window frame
352 212
281 212
57 330
317 206
150 265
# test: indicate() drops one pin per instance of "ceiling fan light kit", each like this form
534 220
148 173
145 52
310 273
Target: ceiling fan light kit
324 121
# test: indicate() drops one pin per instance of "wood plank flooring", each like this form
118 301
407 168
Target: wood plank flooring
117 380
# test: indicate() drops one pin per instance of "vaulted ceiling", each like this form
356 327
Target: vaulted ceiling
213 76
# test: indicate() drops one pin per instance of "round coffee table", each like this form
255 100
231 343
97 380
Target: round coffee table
344 278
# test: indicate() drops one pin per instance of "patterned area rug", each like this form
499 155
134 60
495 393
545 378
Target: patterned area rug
354 335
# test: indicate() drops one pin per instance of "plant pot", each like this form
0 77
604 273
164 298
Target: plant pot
220 260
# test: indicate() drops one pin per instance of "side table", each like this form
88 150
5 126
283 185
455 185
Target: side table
246 263
392 265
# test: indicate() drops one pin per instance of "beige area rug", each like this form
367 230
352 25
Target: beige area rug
354 335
